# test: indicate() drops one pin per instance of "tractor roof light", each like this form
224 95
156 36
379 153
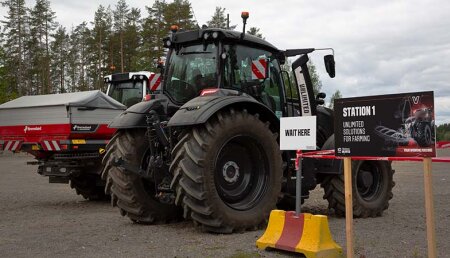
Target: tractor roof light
174 28
244 16
206 36
215 34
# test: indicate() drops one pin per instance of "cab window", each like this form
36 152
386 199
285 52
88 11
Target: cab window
238 74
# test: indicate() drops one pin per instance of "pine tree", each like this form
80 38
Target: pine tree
219 19
179 12
336 95
42 24
59 55
101 34
132 40
14 45
153 31
120 18
255 32
7 91
315 79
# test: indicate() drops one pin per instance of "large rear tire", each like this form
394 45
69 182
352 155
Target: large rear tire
372 183
228 172
134 195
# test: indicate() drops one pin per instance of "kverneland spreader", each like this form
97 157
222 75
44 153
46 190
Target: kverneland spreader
66 133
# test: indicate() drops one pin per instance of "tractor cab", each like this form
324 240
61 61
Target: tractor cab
128 88
216 61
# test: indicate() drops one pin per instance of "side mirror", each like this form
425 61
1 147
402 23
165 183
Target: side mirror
330 65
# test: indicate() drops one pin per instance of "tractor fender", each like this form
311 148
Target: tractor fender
200 109
136 115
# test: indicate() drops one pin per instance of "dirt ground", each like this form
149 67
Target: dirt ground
43 220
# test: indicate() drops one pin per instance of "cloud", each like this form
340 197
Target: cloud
381 46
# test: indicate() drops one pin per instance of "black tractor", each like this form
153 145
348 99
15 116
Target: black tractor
207 146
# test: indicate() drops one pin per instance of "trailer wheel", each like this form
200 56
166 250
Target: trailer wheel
228 173
89 186
372 183
134 196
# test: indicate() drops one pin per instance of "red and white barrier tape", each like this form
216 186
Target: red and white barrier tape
329 154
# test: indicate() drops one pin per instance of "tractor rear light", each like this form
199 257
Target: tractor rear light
147 97
211 91
64 147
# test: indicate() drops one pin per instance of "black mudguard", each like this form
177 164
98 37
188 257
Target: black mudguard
135 116
200 109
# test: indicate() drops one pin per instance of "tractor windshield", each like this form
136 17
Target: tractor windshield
190 70
126 92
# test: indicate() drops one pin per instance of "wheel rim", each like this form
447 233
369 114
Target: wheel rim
241 172
369 181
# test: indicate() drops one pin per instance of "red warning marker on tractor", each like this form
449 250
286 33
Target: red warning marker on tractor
155 81
259 68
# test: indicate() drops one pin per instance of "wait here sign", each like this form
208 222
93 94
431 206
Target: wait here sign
298 133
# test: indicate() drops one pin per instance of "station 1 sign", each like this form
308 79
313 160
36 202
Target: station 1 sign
386 125
298 133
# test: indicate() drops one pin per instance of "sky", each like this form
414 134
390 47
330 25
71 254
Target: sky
381 47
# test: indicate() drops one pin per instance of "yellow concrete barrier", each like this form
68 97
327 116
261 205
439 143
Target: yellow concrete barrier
307 234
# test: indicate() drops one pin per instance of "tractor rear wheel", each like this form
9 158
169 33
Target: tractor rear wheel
372 183
134 195
228 172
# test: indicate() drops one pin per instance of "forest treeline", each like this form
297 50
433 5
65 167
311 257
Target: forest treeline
443 132
40 56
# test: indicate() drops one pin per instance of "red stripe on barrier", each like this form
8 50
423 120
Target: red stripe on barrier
292 231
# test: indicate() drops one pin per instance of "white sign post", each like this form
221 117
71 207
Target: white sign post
298 133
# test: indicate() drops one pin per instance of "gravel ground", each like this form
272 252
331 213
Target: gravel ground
42 219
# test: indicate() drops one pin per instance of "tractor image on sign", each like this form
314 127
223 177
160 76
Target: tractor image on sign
206 147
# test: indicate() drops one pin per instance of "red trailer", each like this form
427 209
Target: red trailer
66 133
